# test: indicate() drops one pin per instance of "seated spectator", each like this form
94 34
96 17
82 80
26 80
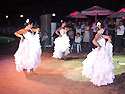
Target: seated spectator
77 43
78 38
71 36
44 40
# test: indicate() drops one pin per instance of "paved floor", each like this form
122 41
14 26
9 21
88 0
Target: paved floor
50 77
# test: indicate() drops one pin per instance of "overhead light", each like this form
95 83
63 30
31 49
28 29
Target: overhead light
61 21
21 16
6 16
53 14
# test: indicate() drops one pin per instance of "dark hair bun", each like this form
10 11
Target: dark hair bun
28 22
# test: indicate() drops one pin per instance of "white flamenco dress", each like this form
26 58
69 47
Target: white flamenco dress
28 55
98 66
61 45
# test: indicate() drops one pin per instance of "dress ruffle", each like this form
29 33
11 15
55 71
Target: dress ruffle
61 45
98 66
28 55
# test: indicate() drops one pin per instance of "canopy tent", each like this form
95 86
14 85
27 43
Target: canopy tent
119 14
96 10
76 15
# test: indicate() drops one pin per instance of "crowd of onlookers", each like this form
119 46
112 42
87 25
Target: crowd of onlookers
83 32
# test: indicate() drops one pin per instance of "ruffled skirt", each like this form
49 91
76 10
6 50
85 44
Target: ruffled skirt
98 66
28 55
61 45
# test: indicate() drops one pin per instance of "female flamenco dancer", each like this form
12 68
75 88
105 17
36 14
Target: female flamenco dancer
98 66
62 45
28 55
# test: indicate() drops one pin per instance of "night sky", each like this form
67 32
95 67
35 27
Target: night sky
34 8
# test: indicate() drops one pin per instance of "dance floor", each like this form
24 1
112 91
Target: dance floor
55 76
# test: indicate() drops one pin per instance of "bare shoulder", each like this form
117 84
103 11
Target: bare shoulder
21 31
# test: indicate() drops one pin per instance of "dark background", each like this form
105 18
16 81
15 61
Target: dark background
32 9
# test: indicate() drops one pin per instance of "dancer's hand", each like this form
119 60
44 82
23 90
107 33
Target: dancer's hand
60 35
37 30
22 39
99 47
109 40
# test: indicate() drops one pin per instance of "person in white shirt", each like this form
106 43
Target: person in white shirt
78 30
77 42
120 31
77 38
86 36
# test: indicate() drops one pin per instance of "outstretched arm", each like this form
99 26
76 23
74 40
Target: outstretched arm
107 37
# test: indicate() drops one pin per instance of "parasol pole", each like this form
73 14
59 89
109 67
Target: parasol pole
96 17
76 19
